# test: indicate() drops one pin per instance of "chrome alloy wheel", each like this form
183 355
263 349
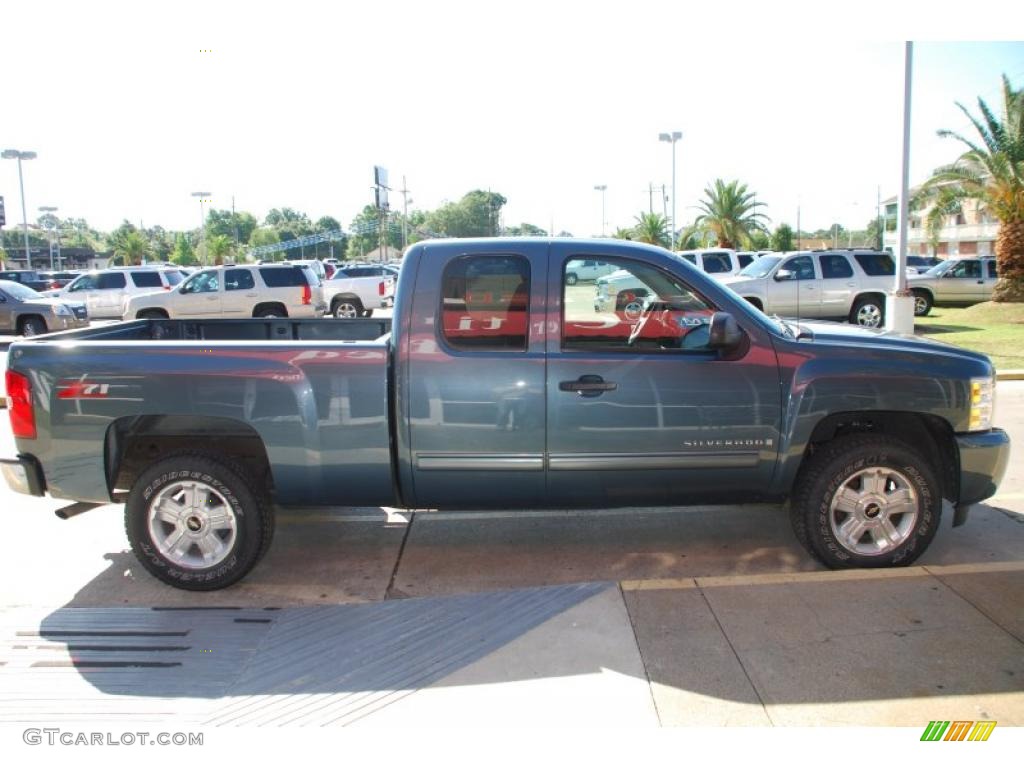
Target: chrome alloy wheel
869 316
920 305
191 524
874 511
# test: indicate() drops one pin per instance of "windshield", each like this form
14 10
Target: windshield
761 267
21 292
940 268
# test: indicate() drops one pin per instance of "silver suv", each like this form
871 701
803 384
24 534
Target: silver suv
105 291
840 284
266 290
956 282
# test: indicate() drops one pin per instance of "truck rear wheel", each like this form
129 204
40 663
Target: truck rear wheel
198 522
866 501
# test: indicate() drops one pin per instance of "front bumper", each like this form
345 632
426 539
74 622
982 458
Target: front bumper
983 460
24 475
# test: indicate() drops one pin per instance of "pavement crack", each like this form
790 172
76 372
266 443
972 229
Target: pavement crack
746 672
389 592
971 603
640 653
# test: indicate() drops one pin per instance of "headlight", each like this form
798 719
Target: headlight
62 310
983 400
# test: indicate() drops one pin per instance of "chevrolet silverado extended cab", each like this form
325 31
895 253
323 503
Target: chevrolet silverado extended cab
497 384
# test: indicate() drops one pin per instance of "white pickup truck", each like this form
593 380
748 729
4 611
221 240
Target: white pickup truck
351 293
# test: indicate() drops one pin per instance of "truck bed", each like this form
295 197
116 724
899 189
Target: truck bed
312 393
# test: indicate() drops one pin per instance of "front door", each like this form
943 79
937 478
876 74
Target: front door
199 296
473 389
797 294
963 282
640 410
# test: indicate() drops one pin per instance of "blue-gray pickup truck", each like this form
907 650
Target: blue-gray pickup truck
501 383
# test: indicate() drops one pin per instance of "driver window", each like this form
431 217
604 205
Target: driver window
802 268
966 269
84 283
204 282
635 307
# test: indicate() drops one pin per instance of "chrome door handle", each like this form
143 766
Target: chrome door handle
588 386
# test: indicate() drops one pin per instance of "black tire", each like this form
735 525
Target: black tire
347 307
756 302
570 278
151 314
842 466
868 312
32 326
922 302
271 311
252 525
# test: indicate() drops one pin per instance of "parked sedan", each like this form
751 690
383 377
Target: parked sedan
25 312
954 282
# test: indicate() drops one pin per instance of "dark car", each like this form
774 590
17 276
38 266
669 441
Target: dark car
28 277
55 280
921 264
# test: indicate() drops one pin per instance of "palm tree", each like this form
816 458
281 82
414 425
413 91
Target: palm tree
623 233
729 211
991 174
217 247
130 247
651 228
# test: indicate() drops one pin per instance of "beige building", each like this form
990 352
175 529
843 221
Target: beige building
969 233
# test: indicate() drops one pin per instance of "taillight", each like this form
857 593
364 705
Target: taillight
19 405
307 294
380 288
54 285
167 287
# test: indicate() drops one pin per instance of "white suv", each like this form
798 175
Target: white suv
827 284
267 290
105 291
717 262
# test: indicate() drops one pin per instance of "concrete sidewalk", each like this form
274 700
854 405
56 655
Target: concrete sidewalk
852 648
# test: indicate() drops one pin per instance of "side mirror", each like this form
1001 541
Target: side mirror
723 332
785 274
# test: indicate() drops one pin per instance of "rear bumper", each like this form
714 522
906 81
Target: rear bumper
983 460
24 475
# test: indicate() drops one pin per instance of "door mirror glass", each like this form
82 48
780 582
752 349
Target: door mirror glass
785 274
724 333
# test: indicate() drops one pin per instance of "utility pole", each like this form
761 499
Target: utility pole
234 222
405 215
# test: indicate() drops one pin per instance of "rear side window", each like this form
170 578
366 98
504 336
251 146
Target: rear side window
992 269
109 280
485 302
833 265
716 263
238 280
146 279
876 264
282 277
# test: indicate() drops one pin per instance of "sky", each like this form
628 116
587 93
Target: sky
131 107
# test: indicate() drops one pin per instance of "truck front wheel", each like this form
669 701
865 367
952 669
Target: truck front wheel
866 501
198 522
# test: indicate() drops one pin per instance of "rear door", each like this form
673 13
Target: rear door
838 284
473 386
240 294
640 411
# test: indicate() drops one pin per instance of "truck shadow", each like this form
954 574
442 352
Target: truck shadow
493 600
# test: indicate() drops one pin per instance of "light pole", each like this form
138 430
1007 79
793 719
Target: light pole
672 138
50 209
203 197
602 188
15 154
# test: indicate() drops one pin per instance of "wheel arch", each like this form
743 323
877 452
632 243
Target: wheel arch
133 443
932 436
263 306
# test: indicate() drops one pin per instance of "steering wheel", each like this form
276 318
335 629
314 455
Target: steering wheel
645 310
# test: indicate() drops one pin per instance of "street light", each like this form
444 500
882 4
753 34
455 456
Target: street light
50 209
601 188
203 197
14 154
672 138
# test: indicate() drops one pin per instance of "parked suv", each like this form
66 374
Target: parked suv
267 290
104 291
28 313
953 282
840 284
717 262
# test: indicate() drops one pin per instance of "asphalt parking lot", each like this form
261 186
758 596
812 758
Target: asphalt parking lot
703 616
